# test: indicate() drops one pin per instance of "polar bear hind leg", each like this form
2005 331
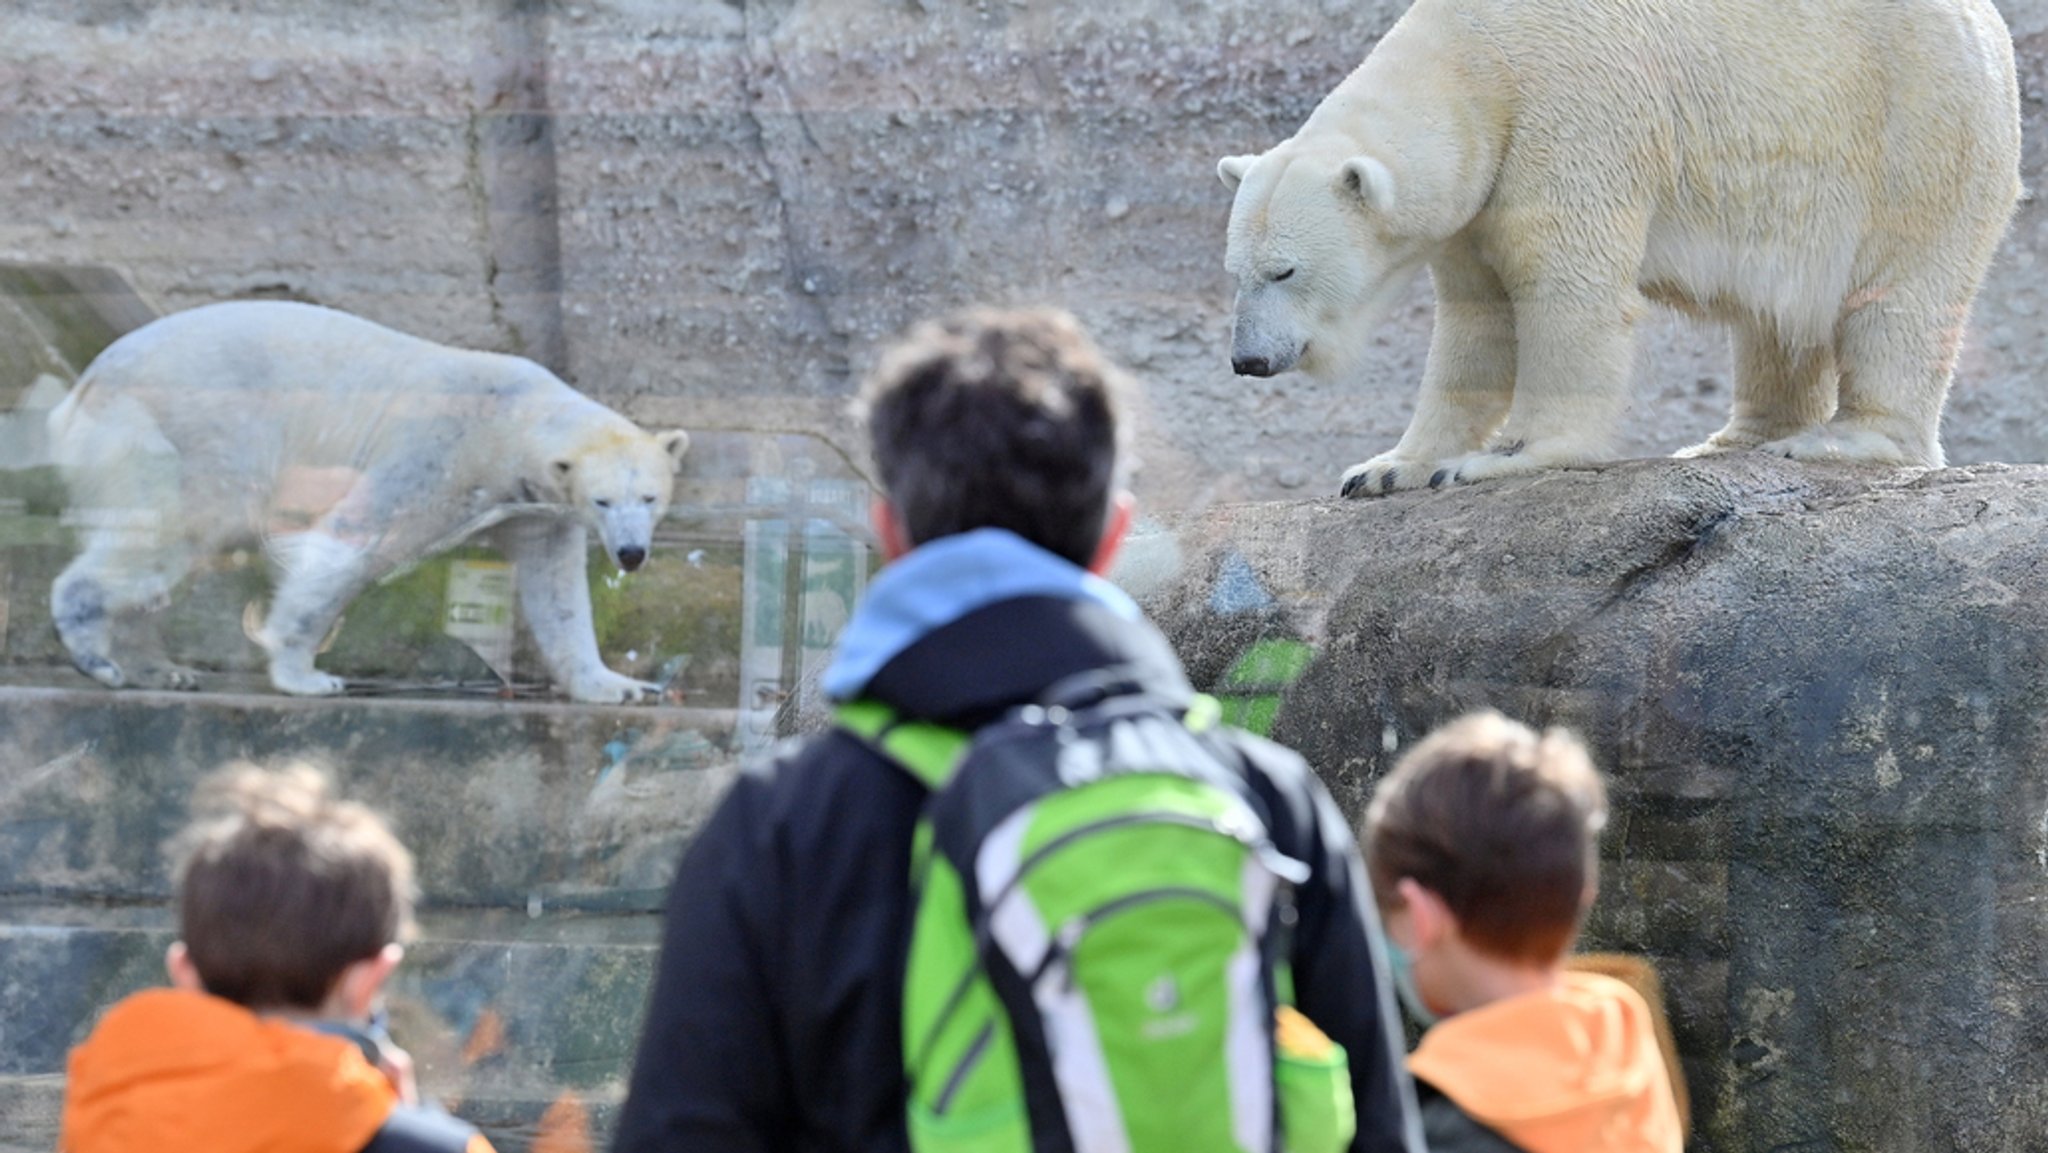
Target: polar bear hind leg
125 482
109 591
1780 390
1897 354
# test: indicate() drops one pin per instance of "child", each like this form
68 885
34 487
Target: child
291 907
1481 847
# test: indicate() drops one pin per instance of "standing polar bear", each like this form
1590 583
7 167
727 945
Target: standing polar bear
1829 178
349 450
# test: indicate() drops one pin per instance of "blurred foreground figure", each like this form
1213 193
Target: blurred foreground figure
291 909
1028 894
1482 849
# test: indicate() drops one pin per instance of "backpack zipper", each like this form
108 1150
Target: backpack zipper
1070 934
958 1077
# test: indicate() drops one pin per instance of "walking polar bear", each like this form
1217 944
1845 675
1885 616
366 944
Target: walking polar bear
349 450
1829 178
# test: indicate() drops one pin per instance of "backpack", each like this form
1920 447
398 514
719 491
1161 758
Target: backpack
1099 939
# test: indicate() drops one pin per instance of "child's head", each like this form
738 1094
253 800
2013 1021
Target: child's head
288 898
1483 840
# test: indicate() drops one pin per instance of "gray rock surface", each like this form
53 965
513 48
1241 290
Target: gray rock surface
753 194
1820 695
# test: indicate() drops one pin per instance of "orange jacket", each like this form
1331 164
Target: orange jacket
168 1071
1574 1069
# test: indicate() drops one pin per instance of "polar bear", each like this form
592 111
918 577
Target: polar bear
1829 178
349 450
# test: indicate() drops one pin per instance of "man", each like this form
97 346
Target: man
775 1021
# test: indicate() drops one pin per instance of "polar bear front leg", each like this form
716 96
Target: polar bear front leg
550 556
1573 349
316 575
1467 382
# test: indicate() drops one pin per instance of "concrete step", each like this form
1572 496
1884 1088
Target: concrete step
29 1112
507 806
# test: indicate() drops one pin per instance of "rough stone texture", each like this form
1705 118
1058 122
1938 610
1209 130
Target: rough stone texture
545 837
1819 693
753 193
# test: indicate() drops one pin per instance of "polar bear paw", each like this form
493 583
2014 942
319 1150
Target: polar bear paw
306 682
102 670
1385 473
1715 445
1847 445
1388 473
605 687
162 675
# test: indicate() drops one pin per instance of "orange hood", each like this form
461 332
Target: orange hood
168 1071
1574 1069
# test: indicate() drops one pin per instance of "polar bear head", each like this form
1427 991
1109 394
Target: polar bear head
1317 254
620 481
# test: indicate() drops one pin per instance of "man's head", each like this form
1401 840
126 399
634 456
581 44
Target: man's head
1000 419
288 899
1482 846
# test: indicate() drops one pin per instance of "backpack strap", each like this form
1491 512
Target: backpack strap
926 751
931 752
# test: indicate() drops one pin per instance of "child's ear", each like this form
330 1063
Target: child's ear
355 991
1431 918
183 973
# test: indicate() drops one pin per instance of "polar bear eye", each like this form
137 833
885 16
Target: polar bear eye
646 500
1282 275
604 504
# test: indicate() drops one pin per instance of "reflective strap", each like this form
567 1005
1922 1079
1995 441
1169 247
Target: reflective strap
926 751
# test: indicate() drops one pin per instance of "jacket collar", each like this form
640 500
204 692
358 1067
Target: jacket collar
939 583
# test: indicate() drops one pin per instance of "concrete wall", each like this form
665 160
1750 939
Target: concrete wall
738 200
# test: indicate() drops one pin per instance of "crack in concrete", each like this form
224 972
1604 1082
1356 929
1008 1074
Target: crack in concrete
764 76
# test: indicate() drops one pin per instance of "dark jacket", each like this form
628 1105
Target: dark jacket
775 1016
1448 1129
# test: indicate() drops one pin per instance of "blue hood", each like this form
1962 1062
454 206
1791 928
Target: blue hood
936 584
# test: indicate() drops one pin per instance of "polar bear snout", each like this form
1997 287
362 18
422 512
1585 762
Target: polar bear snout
1262 361
631 558
1261 341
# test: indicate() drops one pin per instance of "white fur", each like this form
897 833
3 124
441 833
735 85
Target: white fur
348 450
1829 178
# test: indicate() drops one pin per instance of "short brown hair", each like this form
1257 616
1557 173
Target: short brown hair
1502 823
999 419
281 886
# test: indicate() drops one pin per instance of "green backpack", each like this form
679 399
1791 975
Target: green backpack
1099 941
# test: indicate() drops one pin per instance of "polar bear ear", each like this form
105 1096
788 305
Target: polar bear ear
1368 180
1231 170
675 442
558 475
